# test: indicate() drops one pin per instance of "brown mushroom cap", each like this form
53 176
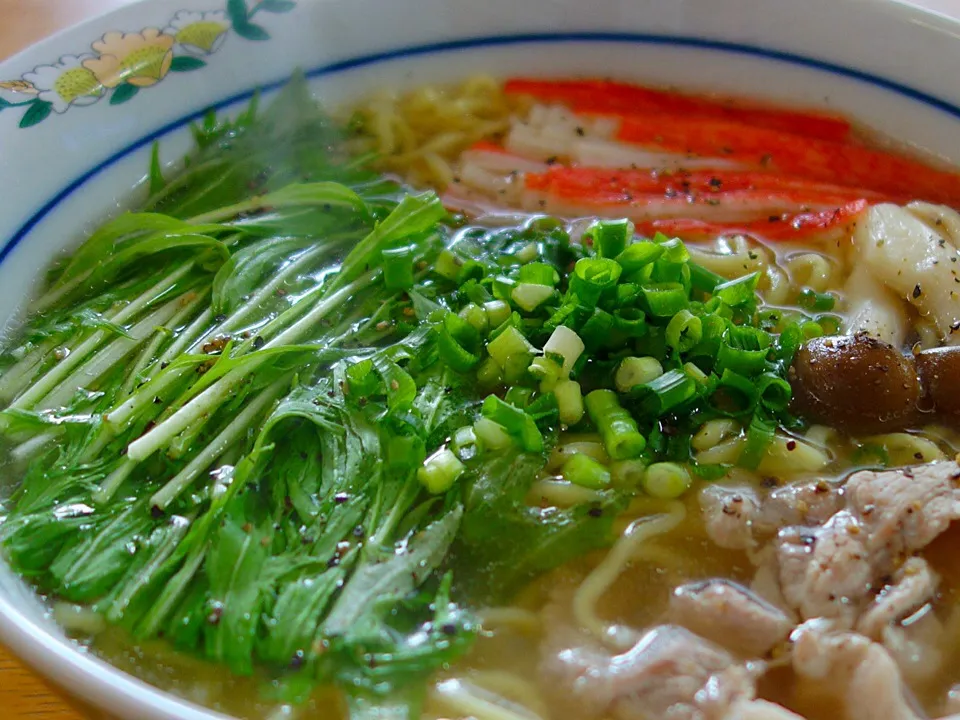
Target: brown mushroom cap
855 383
939 370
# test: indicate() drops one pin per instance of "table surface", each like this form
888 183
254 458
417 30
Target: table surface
23 694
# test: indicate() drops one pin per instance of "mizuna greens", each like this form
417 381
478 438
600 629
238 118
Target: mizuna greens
288 413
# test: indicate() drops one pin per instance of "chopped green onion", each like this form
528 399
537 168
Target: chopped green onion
637 371
472 270
489 374
476 316
466 444
538 273
816 301
448 265
609 236
440 471
527 253
810 330
567 344
547 371
628 474
519 396
665 299
759 436
591 276
666 480
662 394
456 336
774 392
530 296
586 472
639 255
745 362
738 292
515 421
695 373
619 431
684 331
497 312
509 342
830 324
595 332
569 401
515 368
632 322
398 268
704 280
735 394
491 434
502 287
674 252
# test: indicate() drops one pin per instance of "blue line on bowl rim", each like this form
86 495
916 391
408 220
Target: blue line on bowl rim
489 41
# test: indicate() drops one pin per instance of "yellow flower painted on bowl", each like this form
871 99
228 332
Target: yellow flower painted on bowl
199 33
65 83
140 59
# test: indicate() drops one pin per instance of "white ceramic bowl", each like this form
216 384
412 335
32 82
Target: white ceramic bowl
74 139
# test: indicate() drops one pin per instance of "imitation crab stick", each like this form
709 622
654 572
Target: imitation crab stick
822 160
607 97
783 228
588 183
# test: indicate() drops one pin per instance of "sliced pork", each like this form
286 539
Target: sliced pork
859 672
668 673
731 616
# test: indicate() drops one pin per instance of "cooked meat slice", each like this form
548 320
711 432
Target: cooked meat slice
728 514
803 503
669 673
858 672
904 510
730 615
736 516
759 710
825 571
913 586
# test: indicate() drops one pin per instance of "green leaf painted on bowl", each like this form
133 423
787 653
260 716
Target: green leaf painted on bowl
36 113
123 93
185 63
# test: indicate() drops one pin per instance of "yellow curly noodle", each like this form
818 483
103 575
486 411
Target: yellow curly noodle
419 134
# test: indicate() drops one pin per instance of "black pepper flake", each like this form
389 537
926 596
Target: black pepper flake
715 182
918 455
296 662
258 342
448 629
157 400
580 131
916 291
156 512
164 365
341 498
595 512
774 218
553 160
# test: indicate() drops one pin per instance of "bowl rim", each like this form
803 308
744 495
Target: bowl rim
102 684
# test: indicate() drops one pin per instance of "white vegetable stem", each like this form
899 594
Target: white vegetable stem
209 400
109 355
229 435
45 384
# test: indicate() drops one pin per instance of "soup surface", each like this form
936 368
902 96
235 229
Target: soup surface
512 400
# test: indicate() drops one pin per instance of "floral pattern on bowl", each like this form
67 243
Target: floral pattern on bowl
123 63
